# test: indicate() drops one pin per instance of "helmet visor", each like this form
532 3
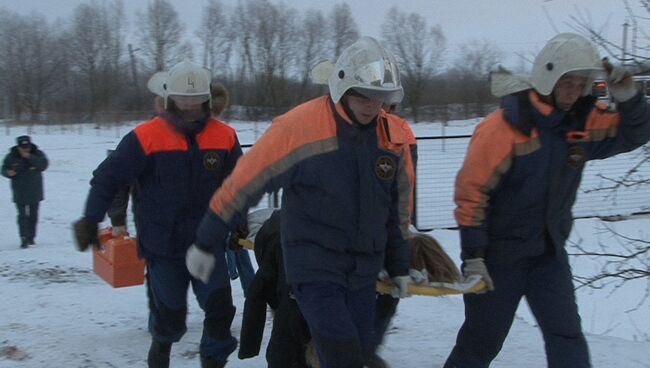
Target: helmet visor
377 74
588 73
189 100
389 97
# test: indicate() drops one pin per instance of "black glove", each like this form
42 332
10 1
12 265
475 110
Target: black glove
85 233
241 232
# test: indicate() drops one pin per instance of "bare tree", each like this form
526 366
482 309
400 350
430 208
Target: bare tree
216 36
634 32
312 44
247 70
266 39
624 259
631 260
161 34
29 62
343 28
419 50
470 73
95 50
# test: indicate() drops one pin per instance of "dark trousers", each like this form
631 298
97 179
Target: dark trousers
289 336
386 307
341 321
167 283
27 219
545 281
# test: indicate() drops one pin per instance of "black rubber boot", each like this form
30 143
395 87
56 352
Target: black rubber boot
373 360
207 362
23 242
159 354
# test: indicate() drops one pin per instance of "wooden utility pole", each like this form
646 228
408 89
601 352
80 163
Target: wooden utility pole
134 70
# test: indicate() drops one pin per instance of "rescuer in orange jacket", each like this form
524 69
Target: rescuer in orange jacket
176 160
346 176
515 191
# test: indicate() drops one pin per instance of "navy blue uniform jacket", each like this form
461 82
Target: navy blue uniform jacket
27 184
523 167
346 200
175 175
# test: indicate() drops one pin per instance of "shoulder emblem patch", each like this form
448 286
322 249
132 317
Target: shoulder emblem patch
211 161
385 167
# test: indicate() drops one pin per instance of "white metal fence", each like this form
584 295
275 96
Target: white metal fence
440 158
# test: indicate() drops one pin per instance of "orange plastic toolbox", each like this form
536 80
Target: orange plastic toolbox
117 261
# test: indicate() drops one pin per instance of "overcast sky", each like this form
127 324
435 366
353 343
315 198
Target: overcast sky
515 26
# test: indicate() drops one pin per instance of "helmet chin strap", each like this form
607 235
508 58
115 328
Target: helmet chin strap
550 99
348 110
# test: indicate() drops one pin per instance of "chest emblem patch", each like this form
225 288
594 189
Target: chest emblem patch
211 161
576 157
385 167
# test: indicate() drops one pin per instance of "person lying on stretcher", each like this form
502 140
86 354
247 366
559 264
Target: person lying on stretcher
431 268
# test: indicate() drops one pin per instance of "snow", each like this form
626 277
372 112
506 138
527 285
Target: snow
58 313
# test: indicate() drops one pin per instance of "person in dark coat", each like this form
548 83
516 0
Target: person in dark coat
24 165
290 333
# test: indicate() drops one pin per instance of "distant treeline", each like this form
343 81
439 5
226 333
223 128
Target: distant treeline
83 68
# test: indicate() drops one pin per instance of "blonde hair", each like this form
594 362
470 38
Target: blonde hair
427 254
220 98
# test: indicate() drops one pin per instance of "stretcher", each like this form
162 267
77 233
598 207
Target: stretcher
471 284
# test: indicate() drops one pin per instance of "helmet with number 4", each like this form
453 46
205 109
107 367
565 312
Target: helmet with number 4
563 54
185 82
369 69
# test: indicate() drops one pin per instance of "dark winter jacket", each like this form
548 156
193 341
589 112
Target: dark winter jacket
347 192
27 184
269 287
117 211
523 167
175 170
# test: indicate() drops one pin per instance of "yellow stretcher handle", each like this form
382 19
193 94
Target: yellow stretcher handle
385 287
248 244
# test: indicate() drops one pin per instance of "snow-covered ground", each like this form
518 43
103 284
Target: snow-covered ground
57 313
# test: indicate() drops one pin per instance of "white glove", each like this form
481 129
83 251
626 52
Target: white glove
620 82
199 263
401 289
119 231
476 266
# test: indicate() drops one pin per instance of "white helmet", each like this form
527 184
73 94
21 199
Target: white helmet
565 53
370 69
156 83
185 80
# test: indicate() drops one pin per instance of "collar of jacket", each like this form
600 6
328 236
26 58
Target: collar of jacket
525 110
189 129
344 112
14 149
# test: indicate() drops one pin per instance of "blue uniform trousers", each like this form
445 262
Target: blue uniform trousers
546 283
340 321
240 266
167 283
27 219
